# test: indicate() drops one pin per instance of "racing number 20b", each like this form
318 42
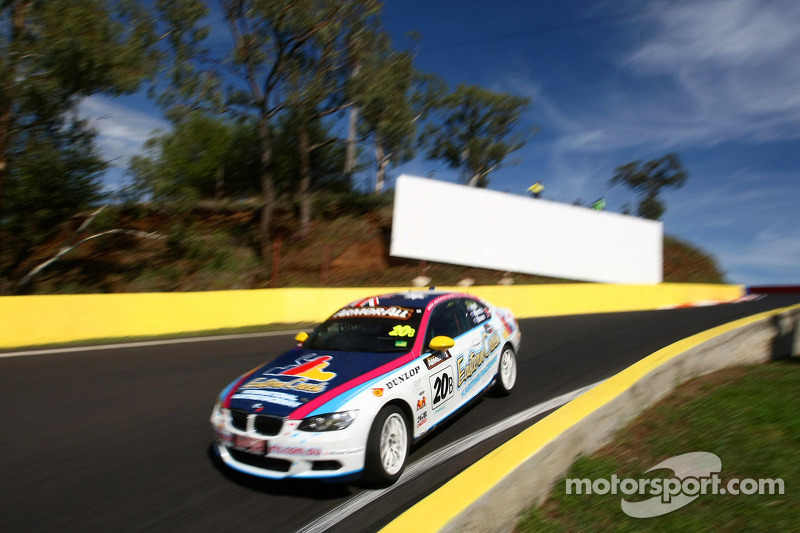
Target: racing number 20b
442 386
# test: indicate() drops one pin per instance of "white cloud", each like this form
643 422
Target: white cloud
706 72
122 129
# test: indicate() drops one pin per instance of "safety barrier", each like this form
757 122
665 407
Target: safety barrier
490 495
53 319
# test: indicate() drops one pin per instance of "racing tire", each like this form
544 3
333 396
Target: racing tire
506 371
388 444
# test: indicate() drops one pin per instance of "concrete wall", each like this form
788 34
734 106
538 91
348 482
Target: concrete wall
39 320
439 221
490 495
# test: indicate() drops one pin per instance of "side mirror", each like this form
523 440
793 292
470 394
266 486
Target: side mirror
301 337
441 343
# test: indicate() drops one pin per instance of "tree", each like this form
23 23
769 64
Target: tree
53 54
647 179
272 39
474 131
393 99
203 156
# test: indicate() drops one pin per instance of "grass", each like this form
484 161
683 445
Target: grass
180 335
748 416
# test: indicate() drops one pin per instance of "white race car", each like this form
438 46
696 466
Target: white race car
351 398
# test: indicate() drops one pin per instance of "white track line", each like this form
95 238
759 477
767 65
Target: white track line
148 343
339 513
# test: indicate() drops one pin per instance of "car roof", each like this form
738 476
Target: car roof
415 299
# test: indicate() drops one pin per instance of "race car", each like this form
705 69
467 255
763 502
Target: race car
351 398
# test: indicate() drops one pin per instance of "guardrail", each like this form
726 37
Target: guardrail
53 319
490 495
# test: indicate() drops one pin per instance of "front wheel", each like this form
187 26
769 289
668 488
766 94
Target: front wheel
387 446
507 371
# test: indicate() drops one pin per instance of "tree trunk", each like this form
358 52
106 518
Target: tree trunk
304 191
267 191
350 155
382 162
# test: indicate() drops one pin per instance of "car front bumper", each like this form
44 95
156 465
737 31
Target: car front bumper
289 453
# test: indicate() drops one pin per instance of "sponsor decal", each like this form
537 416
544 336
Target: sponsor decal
402 331
308 372
436 359
441 387
398 313
369 302
506 324
478 312
280 398
422 418
475 359
249 444
418 295
292 450
377 392
421 403
343 452
401 344
403 377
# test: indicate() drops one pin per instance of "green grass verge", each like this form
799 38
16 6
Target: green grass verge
179 335
748 416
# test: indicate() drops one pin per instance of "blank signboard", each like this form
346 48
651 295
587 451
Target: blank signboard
449 223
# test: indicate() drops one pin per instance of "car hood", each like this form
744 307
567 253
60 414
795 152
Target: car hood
300 376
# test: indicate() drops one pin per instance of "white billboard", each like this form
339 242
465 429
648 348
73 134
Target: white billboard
448 223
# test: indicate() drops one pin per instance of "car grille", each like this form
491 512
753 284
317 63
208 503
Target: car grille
268 425
258 461
239 419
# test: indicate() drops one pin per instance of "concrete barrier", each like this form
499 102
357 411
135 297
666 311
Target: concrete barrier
40 320
491 494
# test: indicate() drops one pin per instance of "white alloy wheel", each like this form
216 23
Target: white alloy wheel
507 371
394 444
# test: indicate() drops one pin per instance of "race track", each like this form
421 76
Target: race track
118 440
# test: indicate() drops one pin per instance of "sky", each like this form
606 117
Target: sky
717 81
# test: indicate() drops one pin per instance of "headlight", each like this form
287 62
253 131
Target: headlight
328 422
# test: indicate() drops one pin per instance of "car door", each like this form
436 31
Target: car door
448 318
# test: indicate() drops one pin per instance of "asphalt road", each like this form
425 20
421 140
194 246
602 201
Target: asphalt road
118 440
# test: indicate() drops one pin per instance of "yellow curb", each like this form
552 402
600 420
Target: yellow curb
434 512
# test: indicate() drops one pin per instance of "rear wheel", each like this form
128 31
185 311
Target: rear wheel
387 446
507 371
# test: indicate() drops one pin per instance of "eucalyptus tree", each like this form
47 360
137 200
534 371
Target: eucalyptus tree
648 179
258 76
474 130
52 56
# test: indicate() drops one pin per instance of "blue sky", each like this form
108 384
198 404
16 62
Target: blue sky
717 81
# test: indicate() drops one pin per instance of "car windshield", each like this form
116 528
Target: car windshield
366 334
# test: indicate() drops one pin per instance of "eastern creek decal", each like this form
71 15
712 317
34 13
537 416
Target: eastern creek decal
476 359
399 313
308 372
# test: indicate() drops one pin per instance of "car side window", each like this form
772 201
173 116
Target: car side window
449 319
477 313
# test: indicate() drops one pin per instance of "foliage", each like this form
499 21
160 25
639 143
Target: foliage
286 54
52 178
473 131
52 55
647 179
